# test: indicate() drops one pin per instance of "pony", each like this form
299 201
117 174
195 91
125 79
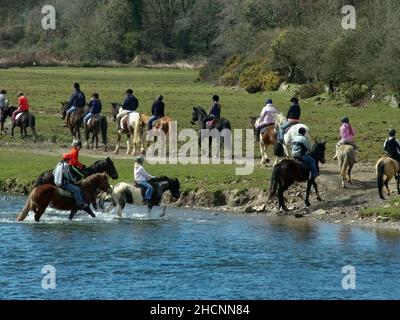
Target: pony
280 119
387 168
96 124
346 161
76 119
24 120
268 137
288 171
100 166
132 126
45 195
219 124
124 193
162 124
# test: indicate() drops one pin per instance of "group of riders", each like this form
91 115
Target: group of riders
301 146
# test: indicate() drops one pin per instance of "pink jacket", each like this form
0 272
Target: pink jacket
347 133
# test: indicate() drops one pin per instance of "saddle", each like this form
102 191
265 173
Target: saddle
304 164
19 115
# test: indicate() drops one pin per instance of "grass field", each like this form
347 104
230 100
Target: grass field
46 87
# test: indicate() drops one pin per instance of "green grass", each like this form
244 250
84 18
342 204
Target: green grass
392 210
46 87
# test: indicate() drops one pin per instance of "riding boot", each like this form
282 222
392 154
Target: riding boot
257 135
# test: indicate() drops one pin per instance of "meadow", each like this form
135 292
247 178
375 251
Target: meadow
47 87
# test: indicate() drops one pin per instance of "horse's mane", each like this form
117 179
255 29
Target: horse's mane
201 109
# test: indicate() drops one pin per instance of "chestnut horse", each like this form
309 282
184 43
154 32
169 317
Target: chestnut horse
386 169
45 195
162 124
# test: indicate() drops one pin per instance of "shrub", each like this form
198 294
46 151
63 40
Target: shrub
229 79
353 93
271 81
310 90
251 79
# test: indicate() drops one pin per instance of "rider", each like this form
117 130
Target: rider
392 146
301 149
266 117
347 134
77 100
3 105
141 178
215 111
157 111
69 183
293 117
94 108
73 159
23 105
130 104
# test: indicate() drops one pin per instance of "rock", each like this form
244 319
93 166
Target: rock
260 208
381 219
249 209
320 212
299 215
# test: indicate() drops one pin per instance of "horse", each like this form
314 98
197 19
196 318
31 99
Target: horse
24 120
293 131
96 124
162 124
100 166
76 119
124 193
387 168
220 124
268 137
45 195
288 171
346 161
132 126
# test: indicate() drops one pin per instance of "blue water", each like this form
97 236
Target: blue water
192 255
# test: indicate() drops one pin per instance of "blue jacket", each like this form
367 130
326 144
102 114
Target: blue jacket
158 109
294 112
74 100
216 110
95 106
130 103
300 146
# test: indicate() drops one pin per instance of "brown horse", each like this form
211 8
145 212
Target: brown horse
288 171
97 124
25 120
45 195
386 169
76 119
268 137
346 160
162 124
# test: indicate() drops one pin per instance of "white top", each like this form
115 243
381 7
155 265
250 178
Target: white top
267 114
141 175
2 101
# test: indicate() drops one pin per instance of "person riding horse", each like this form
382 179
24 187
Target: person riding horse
141 179
3 105
77 100
95 107
215 112
301 149
157 111
347 134
73 160
392 146
130 104
293 117
266 118
23 106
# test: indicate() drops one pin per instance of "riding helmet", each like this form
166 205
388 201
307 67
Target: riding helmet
345 120
392 132
269 101
139 159
77 144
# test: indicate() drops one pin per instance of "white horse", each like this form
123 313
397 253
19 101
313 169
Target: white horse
131 125
280 119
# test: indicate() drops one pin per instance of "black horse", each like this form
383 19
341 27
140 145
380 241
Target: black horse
124 193
100 166
25 120
288 171
199 114
98 123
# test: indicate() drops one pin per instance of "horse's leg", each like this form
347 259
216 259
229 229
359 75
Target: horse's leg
128 144
72 214
96 139
118 143
281 190
316 191
398 183
12 130
90 212
349 174
87 137
387 186
262 153
309 184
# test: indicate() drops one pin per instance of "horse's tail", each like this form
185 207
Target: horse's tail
136 132
343 160
279 151
380 171
28 206
32 121
103 129
275 180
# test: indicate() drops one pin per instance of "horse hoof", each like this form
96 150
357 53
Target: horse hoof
308 204
319 199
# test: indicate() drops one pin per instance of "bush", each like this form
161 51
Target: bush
271 81
310 90
251 79
353 93
229 79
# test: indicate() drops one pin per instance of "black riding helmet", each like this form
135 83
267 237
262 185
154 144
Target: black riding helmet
77 144
345 120
216 98
392 132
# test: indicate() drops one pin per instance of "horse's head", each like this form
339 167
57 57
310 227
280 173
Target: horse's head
254 121
103 183
144 119
8 111
115 110
106 166
64 109
198 114
172 185
280 119
318 151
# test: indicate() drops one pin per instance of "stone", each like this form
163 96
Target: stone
320 212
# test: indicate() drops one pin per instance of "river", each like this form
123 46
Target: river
191 255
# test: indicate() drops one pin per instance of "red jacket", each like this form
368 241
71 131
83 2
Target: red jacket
23 104
72 158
